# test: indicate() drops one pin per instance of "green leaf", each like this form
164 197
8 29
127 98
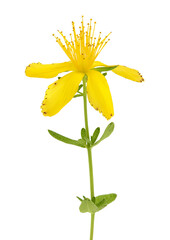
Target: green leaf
104 69
66 140
95 135
88 206
108 131
103 200
84 135
79 199
82 141
78 95
97 204
80 86
104 74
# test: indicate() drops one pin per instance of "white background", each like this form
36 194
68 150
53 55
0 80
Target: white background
40 177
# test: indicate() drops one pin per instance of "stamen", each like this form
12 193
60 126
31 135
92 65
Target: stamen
83 48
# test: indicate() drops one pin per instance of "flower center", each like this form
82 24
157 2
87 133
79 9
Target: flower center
83 48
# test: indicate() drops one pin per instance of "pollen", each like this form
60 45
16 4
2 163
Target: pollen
82 48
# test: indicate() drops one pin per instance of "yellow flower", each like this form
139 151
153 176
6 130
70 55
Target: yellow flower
82 50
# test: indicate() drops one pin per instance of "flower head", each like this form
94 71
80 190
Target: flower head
82 49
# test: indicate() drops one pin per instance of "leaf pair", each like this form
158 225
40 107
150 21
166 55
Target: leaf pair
97 204
84 139
108 131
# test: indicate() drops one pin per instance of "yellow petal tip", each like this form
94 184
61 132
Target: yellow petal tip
141 77
107 116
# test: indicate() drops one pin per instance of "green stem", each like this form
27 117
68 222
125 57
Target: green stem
89 152
92 226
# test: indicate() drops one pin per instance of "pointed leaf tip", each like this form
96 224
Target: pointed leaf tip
77 95
79 199
80 86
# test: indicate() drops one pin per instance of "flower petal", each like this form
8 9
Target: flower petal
123 71
99 93
40 70
60 93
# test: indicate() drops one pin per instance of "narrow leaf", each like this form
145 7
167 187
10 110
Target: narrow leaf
105 69
80 86
83 133
79 199
95 135
65 139
78 95
108 131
